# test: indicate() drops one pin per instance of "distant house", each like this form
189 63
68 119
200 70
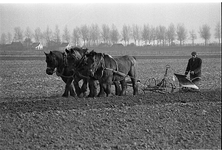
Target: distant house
103 45
117 45
37 46
27 43
131 45
14 46
64 46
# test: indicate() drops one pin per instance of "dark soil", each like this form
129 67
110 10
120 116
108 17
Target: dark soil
33 115
147 121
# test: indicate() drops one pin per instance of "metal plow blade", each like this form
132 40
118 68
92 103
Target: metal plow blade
185 83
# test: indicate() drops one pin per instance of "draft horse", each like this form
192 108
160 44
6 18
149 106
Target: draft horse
56 60
109 70
76 61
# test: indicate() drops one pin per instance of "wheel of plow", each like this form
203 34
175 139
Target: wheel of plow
170 87
150 82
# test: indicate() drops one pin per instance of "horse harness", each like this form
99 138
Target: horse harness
76 67
110 69
64 65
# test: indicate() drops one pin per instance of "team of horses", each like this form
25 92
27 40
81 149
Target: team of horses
78 64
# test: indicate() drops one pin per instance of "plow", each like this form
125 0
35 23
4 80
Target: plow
165 85
168 84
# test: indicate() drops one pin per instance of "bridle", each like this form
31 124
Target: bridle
95 65
63 65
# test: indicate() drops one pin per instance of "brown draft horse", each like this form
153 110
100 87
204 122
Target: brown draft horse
76 61
56 60
109 70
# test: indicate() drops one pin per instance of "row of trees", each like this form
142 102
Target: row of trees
93 35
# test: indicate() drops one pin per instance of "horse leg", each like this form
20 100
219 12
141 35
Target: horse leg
92 88
83 88
108 89
135 86
67 88
102 89
72 92
107 86
123 85
117 87
76 85
132 75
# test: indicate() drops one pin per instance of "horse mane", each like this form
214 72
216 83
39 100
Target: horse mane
82 51
57 52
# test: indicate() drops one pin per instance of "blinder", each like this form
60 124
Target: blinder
96 65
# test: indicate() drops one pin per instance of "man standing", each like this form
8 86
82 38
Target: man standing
194 67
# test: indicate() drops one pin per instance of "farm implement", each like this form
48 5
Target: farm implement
165 85
168 84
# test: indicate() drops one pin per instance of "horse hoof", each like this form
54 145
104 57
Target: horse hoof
81 95
90 96
73 95
64 95
102 95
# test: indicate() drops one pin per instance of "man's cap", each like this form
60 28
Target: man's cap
194 53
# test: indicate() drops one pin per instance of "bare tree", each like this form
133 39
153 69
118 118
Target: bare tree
171 33
66 35
153 35
105 34
126 33
9 37
56 36
205 33
3 39
28 33
76 36
18 36
114 34
181 33
136 33
217 34
94 34
193 36
85 34
161 34
48 36
38 35
146 33
28 38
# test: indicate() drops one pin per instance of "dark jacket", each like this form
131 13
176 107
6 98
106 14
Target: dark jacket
194 64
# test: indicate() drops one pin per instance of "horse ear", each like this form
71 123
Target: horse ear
67 51
50 52
72 51
85 50
45 53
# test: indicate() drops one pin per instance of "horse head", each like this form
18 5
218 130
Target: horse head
75 56
52 62
95 63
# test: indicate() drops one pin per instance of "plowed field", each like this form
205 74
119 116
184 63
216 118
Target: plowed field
33 115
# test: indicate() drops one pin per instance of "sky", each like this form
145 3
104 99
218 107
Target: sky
33 15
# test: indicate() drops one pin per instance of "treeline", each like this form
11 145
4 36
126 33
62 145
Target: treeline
93 35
